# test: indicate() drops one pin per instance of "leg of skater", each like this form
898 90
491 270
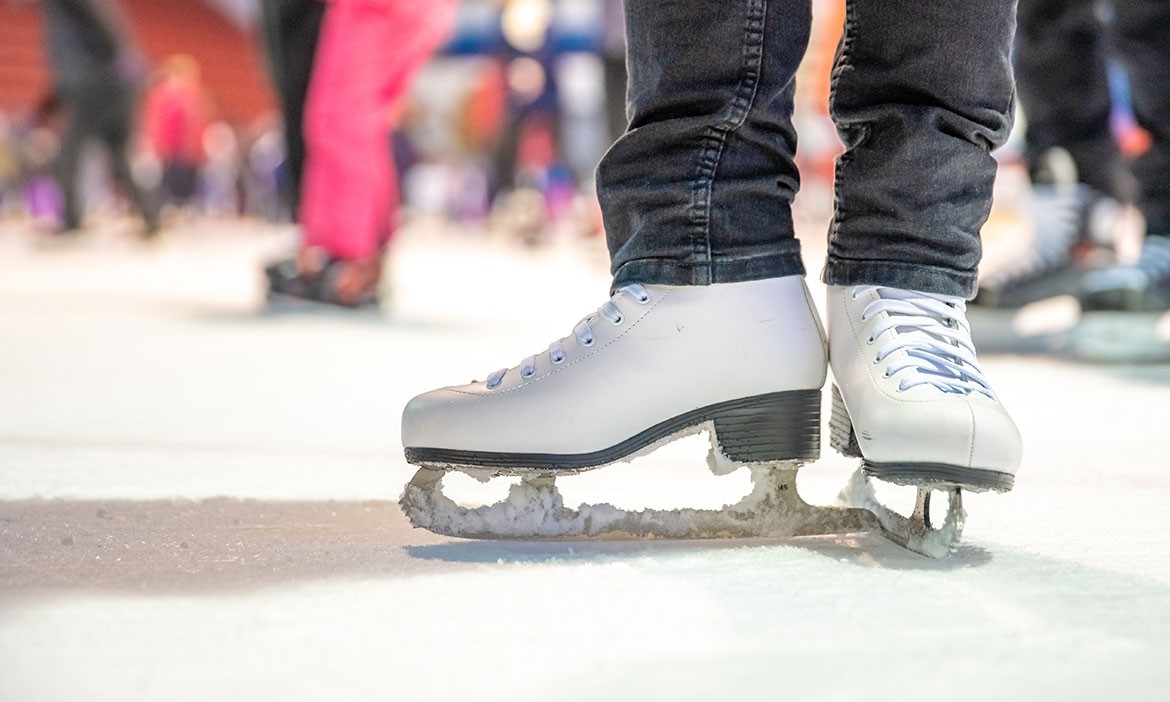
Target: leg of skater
115 131
68 162
919 106
710 322
291 29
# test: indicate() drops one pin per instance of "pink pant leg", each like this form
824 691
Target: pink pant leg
368 52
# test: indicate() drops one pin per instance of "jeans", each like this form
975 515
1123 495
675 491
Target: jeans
699 189
1061 64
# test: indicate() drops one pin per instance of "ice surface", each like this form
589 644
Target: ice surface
144 406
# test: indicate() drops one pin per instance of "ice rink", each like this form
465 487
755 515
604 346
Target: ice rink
198 502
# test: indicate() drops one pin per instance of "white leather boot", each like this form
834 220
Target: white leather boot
746 360
909 396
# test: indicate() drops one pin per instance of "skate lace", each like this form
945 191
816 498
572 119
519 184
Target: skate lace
582 332
933 340
1058 217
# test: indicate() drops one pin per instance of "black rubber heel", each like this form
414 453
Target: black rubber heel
782 426
841 435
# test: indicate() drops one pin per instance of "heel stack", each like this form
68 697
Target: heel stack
841 435
783 426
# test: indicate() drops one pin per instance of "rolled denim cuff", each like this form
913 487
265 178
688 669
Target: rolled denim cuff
666 271
896 274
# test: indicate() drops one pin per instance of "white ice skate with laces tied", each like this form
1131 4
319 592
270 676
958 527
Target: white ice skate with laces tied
911 401
744 362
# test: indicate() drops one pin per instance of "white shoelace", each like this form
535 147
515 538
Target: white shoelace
583 332
933 336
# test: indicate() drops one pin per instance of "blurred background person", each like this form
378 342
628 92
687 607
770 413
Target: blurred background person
1081 67
96 74
367 54
174 116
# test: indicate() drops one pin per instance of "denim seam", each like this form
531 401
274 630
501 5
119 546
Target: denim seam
712 149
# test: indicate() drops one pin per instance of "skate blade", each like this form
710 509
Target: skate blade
535 509
915 533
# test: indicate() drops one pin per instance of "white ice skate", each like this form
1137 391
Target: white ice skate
743 361
910 400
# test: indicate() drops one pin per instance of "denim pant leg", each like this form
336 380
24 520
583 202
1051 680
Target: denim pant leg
1060 63
1142 37
922 93
699 188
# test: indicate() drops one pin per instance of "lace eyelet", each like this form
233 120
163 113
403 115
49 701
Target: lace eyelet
618 322
869 341
557 360
526 373
589 342
863 319
643 300
491 386
886 374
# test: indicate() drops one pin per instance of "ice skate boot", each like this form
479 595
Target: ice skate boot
1126 309
1143 286
910 400
312 275
743 361
1074 230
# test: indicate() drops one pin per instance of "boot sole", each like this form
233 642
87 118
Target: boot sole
771 428
929 475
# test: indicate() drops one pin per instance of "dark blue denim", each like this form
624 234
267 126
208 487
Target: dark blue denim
1062 53
700 187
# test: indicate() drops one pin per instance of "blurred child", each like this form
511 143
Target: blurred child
174 116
